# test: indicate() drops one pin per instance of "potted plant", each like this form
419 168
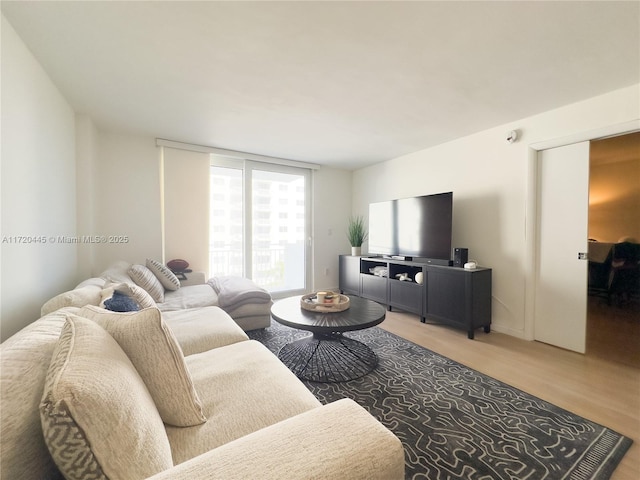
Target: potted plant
357 234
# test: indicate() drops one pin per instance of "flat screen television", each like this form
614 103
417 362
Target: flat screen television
416 227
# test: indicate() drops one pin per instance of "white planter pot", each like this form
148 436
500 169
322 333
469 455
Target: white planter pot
356 251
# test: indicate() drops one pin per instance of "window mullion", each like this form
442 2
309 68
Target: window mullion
248 221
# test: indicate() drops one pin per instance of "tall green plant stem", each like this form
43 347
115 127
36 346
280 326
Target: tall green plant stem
357 231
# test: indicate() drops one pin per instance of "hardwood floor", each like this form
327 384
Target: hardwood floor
593 386
613 331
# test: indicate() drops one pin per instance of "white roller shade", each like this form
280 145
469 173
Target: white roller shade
186 207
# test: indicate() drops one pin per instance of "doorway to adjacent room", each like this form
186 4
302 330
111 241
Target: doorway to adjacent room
613 306
604 323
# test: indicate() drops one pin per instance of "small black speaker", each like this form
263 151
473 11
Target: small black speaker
460 257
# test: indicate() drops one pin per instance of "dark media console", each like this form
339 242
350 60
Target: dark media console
435 261
428 261
449 295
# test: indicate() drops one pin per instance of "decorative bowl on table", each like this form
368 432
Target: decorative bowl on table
324 301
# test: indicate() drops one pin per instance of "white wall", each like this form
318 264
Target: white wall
614 200
491 180
38 186
127 199
331 211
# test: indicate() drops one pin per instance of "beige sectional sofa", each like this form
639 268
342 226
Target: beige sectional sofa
181 394
250 310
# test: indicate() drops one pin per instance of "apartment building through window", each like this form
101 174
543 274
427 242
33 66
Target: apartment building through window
260 223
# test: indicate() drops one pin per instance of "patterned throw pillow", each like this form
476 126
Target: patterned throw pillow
139 294
147 280
157 356
167 277
98 418
132 290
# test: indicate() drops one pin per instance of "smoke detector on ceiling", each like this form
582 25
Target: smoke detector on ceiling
512 136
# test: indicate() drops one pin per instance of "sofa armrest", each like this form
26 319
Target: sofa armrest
338 440
192 278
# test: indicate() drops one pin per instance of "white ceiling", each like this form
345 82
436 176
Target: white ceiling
337 83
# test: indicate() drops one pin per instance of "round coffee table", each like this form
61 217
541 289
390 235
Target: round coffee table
327 355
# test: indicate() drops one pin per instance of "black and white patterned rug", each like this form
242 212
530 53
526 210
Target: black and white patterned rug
456 423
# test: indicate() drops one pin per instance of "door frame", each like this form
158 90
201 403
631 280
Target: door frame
531 233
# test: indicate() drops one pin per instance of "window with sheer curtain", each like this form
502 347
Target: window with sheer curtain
227 215
185 207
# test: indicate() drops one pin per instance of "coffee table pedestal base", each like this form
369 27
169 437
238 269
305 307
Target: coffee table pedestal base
328 358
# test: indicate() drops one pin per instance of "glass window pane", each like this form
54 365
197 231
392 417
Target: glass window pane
226 242
278 230
259 224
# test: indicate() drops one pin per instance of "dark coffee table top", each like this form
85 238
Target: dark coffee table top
361 314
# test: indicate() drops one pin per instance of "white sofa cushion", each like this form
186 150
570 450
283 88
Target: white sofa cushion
340 440
200 329
167 278
145 278
79 297
97 416
244 388
154 351
191 296
25 359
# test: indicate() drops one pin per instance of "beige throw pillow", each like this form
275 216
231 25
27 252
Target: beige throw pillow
98 418
145 278
167 278
156 354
